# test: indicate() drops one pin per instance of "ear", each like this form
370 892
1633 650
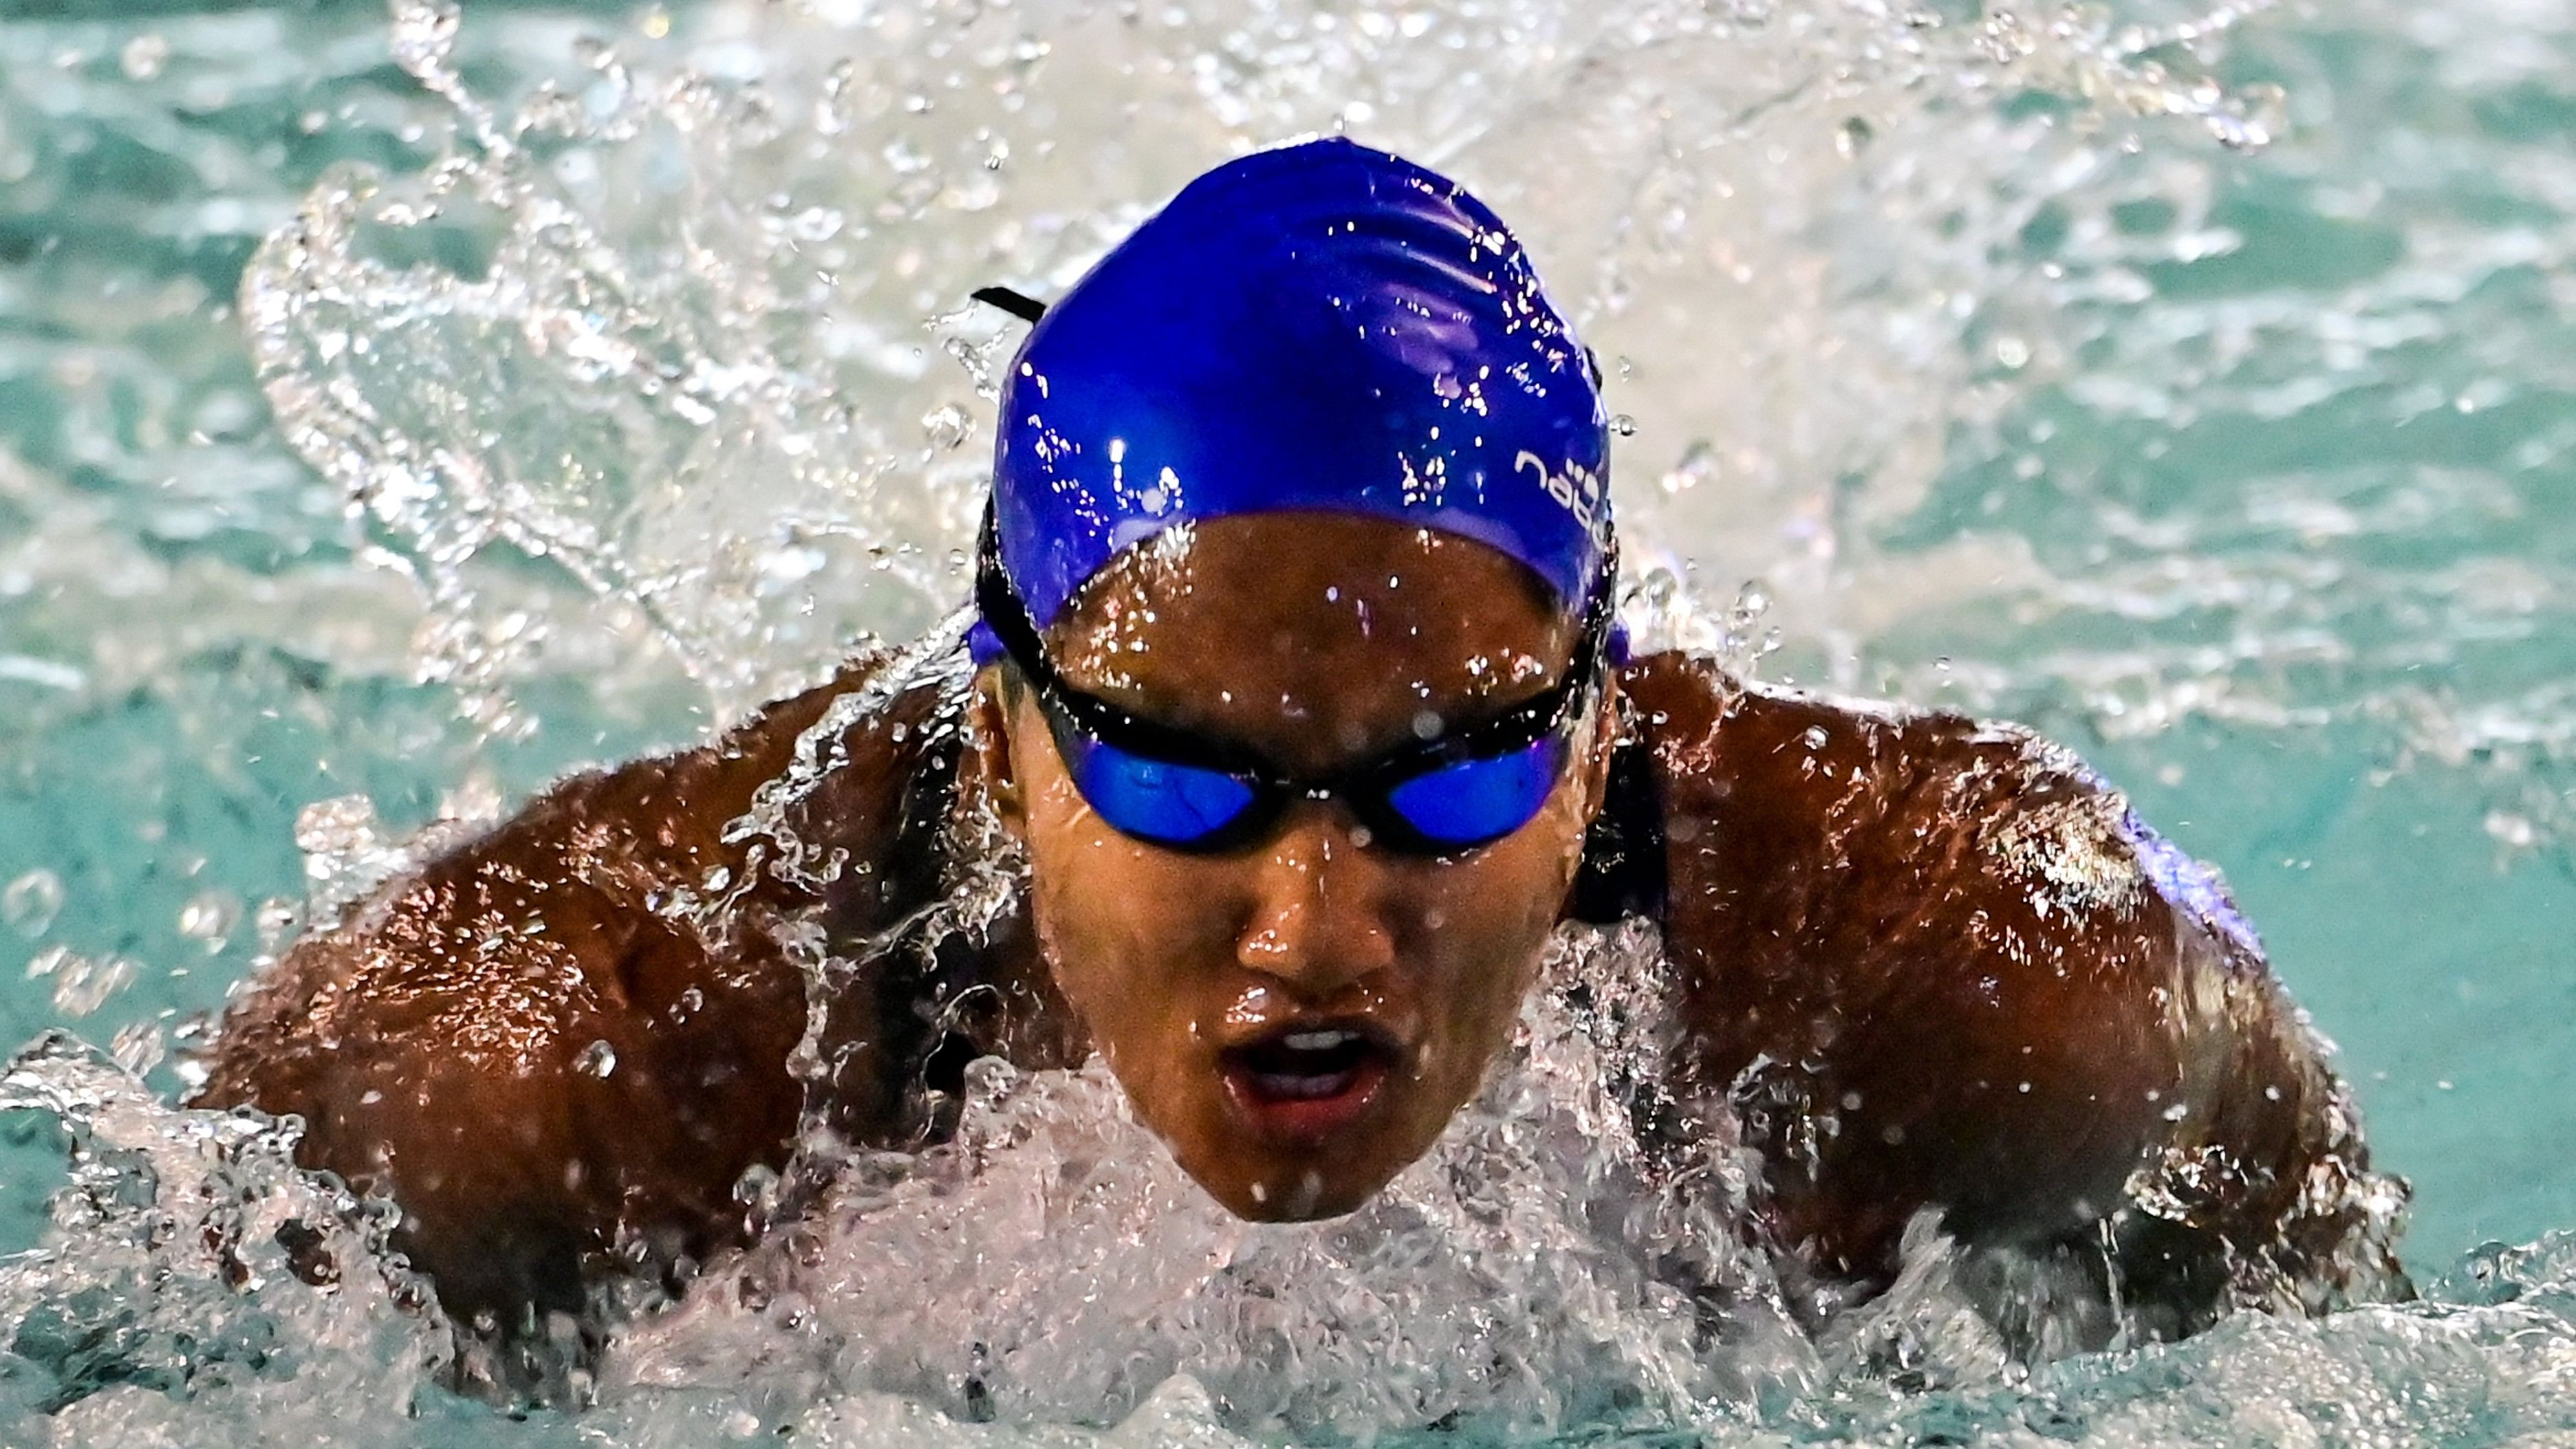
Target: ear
990 762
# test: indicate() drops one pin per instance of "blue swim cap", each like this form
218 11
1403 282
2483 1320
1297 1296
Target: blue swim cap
1321 326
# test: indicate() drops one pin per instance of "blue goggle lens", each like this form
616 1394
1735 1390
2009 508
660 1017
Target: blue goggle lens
1460 805
1155 799
1476 801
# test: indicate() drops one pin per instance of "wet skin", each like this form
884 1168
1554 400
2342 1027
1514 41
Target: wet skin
1179 965
1930 963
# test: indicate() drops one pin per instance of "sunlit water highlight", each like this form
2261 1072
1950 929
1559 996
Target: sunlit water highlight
618 385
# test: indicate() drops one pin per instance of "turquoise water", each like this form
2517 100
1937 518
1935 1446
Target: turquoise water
2195 386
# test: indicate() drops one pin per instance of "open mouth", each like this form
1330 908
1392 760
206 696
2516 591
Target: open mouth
1304 1082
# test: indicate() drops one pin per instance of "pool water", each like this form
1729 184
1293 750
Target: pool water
398 409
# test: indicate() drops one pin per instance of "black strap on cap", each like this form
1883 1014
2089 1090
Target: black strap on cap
1020 305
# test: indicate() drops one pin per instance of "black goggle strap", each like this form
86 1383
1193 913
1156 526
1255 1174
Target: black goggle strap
1030 309
1533 719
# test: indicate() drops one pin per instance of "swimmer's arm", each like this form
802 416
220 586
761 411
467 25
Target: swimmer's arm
525 1044
1939 965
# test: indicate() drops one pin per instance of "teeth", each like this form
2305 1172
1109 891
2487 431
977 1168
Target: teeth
1306 1088
1319 1041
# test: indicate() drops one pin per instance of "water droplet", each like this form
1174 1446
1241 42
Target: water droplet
816 224
138 1047
1698 465
209 916
947 426
345 854
82 984
1852 136
279 918
31 902
2517 831
343 823
758 1184
145 55
598 1059
424 35
1623 425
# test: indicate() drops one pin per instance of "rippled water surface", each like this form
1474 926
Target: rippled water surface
397 410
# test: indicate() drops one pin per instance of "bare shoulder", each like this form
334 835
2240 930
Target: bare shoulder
572 905
1844 874
1809 799
572 1028
1951 962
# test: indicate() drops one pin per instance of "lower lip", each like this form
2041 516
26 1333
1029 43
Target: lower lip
1306 1119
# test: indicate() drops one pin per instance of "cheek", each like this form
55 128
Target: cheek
1486 922
1124 929
1513 890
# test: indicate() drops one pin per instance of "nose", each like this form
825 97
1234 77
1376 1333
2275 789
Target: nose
1317 923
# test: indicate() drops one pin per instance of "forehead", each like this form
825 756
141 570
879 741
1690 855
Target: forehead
1312 635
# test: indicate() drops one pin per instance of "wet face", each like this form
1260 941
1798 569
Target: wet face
1299 1017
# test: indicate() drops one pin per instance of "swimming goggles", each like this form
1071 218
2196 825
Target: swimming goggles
1445 796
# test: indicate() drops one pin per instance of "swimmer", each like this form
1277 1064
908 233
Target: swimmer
1301 698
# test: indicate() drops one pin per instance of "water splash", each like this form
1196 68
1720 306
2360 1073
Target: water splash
645 356
678 338
1543 1267
346 853
1049 1269
198 1284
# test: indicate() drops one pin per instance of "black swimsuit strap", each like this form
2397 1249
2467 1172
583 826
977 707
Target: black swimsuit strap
1623 871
